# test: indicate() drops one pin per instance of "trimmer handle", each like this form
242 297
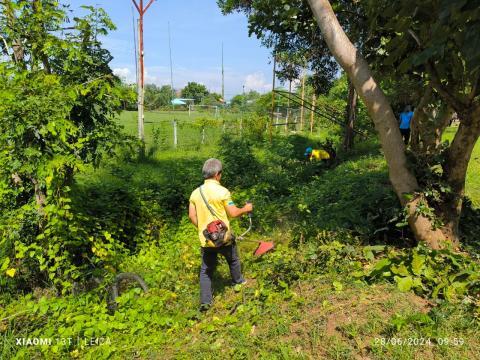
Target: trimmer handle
250 214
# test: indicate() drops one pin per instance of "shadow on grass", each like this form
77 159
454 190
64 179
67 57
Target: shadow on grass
354 198
470 228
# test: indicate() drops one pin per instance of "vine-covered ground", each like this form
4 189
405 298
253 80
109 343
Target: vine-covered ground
345 280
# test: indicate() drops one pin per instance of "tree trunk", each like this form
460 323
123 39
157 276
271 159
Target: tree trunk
455 169
419 118
402 179
17 47
351 117
312 112
302 108
441 121
40 197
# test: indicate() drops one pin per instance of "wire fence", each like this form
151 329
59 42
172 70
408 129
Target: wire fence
191 130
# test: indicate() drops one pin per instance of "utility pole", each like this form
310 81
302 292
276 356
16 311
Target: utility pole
243 92
303 98
223 79
287 119
243 110
273 92
171 65
141 79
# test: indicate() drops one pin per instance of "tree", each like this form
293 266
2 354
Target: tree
437 44
194 91
212 99
59 98
128 94
297 42
430 46
436 23
246 99
156 97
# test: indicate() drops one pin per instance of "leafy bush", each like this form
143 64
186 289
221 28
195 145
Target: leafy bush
240 167
56 117
356 195
431 273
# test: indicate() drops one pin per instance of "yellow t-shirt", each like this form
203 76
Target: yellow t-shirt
319 155
218 198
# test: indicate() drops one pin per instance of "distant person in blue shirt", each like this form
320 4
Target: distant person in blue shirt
405 119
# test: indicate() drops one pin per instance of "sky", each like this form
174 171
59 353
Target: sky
197 29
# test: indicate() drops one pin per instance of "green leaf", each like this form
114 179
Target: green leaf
404 284
418 262
5 264
338 286
400 270
382 264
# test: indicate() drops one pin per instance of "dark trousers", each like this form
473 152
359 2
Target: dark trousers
406 135
209 263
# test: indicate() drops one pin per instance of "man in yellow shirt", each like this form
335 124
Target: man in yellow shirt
208 203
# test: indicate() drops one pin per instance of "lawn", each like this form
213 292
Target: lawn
159 129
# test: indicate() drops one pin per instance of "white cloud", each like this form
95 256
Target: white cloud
125 74
257 81
210 77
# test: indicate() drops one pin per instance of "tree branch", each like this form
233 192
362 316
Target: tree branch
475 82
435 79
415 37
5 46
449 98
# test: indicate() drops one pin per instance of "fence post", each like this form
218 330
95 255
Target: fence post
175 140
203 135
312 112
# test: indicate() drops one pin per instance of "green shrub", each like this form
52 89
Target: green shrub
240 167
430 273
356 196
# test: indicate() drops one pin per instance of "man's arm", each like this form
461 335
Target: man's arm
233 211
192 214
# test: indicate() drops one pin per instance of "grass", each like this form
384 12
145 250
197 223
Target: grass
159 130
286 311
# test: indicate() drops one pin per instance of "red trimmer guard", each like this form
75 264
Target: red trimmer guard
265 246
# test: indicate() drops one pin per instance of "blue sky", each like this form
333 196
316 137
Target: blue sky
197 31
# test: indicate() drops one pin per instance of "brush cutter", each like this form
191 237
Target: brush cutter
263 246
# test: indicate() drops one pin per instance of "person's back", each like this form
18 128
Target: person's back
405 123
210 207
218 198
320 154
405 119
316 154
